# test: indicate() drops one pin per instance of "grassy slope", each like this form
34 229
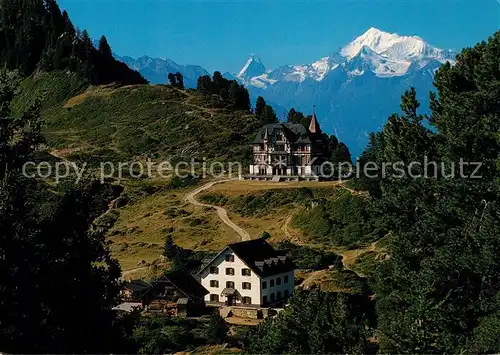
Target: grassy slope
144 120
266 206
142 225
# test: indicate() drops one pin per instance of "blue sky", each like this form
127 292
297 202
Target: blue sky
220 35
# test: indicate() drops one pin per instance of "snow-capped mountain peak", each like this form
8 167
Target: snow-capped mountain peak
374 39
252 68
394 46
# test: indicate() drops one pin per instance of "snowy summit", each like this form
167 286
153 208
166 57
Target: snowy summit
382 53
252 68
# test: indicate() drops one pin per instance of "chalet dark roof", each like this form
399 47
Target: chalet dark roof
136 285
184 282
294 132
262 258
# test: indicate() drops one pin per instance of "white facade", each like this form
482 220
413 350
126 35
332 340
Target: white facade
277 287
256 295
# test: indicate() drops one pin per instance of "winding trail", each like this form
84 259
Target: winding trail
221 212
349 257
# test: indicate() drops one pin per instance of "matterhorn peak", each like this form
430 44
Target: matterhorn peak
252 68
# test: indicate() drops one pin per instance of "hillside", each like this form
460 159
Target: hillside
157 121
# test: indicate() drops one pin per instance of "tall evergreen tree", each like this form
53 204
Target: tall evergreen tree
172 80
104 48
439 290
269 115
260 107
179 79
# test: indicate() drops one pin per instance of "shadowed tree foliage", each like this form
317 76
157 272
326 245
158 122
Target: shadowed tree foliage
104 48
316 322
229 90
59 281
260 106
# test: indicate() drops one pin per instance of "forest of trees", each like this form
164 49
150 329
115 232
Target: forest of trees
228 90
36 35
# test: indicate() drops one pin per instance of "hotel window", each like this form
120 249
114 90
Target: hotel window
246 285
230 284
230 258
246 272
264 285
278 281
229 271
286 293
214 298
246 300
285 279
264 299
272 297
214 270
214 283
271 282
278 295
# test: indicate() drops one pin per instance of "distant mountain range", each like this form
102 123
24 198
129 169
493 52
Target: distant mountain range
354 89
156 70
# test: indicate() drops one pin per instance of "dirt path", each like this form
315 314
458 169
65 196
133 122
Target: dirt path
221 212
350 256
352 191
127 273
288 234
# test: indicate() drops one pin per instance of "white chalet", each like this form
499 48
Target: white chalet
249 273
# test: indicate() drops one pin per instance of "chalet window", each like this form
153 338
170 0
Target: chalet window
246 300
229 271
246 285
229 284
272 282
214 270
214 283
264 299
286 293
285 279
272 297
214 298
246 272
264 285
278 281
278 295
230 258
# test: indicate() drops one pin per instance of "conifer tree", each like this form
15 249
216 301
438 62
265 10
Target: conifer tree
219 82
172 80
438 292
179 80
270 115
260 107
104 48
